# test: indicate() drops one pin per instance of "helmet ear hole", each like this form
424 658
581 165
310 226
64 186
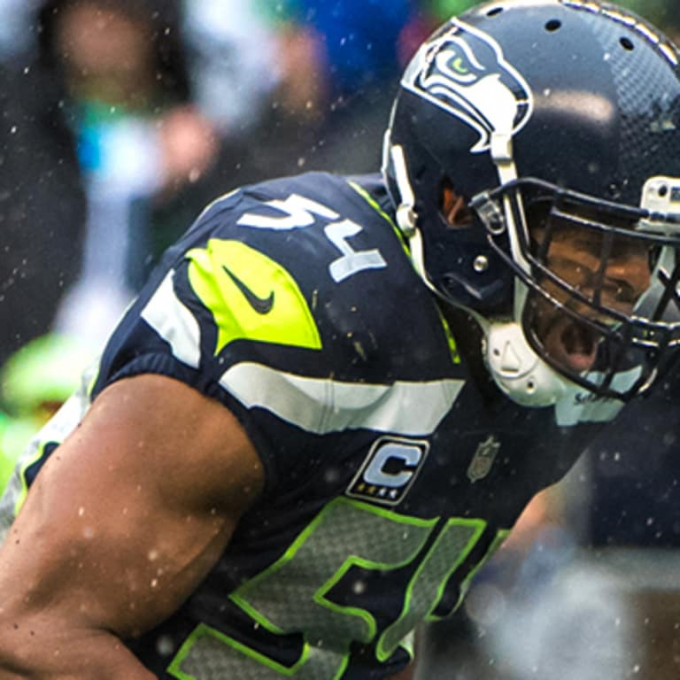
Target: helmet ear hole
453 206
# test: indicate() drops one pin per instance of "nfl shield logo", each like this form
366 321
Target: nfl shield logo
481 463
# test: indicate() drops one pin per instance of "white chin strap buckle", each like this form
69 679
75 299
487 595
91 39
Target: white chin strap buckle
518 370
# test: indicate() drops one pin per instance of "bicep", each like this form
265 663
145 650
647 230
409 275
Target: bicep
131 512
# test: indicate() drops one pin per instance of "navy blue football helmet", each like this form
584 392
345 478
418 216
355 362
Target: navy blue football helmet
524 120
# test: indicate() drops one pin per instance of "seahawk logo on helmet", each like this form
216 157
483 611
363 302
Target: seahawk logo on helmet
464 72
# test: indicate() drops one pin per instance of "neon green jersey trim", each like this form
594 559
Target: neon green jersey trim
455 356
497 542
240 596
453 348
472 530
374 204
24 483
203 630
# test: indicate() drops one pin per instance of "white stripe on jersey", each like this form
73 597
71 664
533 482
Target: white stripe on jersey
322 405
171 319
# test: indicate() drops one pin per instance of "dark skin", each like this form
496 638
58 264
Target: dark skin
574 256
123 525
121 538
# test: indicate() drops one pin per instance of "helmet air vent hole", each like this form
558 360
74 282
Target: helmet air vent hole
627 44
553 25
493 12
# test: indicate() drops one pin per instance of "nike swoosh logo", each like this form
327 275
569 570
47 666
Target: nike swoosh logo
260 305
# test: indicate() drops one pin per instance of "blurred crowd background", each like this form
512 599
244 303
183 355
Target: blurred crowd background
121 119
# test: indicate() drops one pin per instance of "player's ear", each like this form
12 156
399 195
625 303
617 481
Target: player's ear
453 206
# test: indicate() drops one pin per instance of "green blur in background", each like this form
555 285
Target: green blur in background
34 383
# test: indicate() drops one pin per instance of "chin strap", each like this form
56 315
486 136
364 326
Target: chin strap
518 370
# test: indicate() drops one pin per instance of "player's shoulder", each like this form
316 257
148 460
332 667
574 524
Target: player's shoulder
317 237
276 269
282 206
330 189
303 253
305 275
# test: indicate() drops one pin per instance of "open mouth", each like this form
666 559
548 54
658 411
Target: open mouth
571 344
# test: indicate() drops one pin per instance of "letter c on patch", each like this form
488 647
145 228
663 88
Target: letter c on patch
410 457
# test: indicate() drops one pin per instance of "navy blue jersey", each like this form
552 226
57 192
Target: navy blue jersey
391 473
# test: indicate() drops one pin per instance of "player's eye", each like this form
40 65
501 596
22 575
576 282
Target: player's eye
621 291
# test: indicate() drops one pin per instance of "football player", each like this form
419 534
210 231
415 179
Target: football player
335 396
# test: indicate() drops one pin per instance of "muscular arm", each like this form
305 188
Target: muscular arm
122 523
